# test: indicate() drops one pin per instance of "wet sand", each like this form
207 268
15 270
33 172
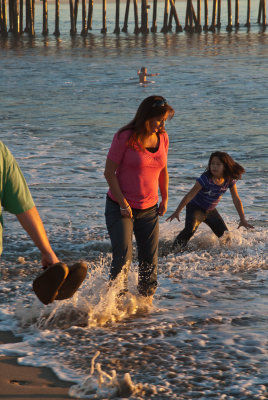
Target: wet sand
23 382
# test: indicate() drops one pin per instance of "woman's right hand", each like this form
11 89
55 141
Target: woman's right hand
126 211
176 215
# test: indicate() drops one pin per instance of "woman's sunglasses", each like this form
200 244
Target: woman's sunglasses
159 103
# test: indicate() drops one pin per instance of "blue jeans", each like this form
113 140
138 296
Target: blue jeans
145 226
194 216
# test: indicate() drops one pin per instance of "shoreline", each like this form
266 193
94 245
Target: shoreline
25 382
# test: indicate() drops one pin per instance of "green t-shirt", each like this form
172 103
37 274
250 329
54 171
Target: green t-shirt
15 196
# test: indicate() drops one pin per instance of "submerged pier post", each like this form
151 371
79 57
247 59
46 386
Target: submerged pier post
57 18
10 14
72 30
198 27
45 25
76 4
117 10
262 13
104 26
229 27
175 15
124 29
136 29
205 26
21 18
31 15
219 15
214 13
237 14
90 15
4 18
84 18
16 24
170 18
154 26
259 13
248 15
144 16
189 18
26 29
165 20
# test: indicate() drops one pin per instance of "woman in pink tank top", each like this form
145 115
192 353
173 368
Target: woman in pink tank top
136 169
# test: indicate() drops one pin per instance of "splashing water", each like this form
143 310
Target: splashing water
103 385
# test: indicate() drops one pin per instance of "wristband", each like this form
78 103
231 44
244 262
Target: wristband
124 209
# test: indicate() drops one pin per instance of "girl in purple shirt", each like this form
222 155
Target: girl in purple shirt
221 174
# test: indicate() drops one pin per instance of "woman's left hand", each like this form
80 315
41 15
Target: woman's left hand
162 208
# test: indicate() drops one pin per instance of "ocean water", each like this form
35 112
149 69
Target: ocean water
205 334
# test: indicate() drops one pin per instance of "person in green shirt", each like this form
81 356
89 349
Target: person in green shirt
15 197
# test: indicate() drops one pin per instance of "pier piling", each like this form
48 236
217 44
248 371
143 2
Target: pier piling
90 15
247 24
45 16
124 29
104 24
229 27
57 18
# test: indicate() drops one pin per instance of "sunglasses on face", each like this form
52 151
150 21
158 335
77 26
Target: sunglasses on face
159 103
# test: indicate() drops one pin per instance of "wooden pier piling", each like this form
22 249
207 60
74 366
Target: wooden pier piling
3 14
237 14
84 19
165 20
229 27
72 30
154 26
76 4
90 15
212 27
57 18
262 13
21 17
104 24
31 18
175 16
117 10
124 29
205 26
247 24
198 27
136 17
219 15
45 16
144 16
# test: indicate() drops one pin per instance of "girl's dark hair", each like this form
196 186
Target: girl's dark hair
151 107
232 170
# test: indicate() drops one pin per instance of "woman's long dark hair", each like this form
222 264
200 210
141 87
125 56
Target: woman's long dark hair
151 107
232 170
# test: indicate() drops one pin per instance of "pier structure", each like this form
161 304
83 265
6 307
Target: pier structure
18 16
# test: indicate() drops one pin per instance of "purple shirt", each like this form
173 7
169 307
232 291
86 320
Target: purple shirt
210 194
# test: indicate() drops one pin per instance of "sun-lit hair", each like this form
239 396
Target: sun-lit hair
151 107
232 170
